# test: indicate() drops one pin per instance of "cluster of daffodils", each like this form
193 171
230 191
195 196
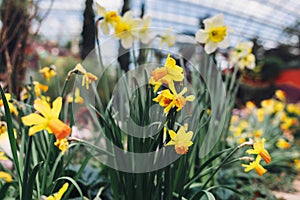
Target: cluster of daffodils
253 121
262 153
46 117
169 99
129 29
242 56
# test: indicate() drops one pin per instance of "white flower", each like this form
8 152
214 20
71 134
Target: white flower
127 29
110 18
145 33
242 56
167 38
214 35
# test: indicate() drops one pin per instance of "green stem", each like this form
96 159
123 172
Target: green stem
46 165
221 165
25 172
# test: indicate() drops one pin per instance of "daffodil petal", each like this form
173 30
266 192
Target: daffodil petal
202 36
56 107
43 107
33 119
210 47
36 128
172 134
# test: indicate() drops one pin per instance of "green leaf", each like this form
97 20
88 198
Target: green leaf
11 135
29 189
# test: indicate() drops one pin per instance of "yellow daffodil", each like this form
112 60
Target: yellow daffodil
3 156
170 100
167 74
181 140
268 105
39 88
247 61
127 29
214 35
6 176
241 140
62 144
260 115
2 128
257 133
280 95
278 106
283 144
145 34
48 72
259 149
167 39
110 18
47 119
297 164
60 193
293 108
78 98
11 106
250 105
87 77
260 170
287 122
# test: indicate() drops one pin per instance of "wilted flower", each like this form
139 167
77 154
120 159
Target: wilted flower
260 170
214 35
47 119
181 140
78 98
87 77
127 29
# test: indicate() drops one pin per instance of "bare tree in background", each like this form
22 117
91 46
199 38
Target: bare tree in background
88 30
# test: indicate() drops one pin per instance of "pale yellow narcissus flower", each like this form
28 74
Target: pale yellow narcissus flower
48 72
127 29
214 35
145 33
62 144
60 193
170 100
11 106
6 176
87 77
167 39
78 98
260 170
110 18
293 108
242 56
167 74
283 144
259 149
181 140
47 119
